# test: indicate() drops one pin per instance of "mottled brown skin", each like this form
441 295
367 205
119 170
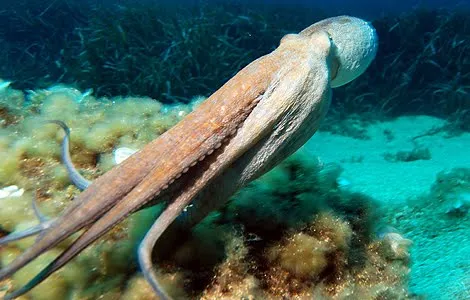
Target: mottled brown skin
258 118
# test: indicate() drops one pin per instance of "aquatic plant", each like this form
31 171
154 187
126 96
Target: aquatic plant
146 49
161 51
422 67
32 36
329 250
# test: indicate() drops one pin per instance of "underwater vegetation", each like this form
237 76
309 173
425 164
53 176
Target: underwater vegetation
293 233
423 67
162 52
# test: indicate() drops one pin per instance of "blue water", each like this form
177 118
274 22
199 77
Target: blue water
398 136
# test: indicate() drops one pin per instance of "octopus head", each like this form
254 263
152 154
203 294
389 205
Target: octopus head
354 44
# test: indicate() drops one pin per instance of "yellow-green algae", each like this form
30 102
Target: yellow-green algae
30 151
294 233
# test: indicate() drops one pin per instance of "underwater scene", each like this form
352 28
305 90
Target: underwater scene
234 149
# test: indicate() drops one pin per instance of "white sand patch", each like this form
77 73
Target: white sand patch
393 181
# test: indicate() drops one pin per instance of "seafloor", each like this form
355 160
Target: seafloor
375 206
318 225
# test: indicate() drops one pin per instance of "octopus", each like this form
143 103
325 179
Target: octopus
267 111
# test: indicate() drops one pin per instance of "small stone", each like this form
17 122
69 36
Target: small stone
122 153
11 191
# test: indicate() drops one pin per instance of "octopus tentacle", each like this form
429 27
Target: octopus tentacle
77 179
44 223
157 165
130 203
293 87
